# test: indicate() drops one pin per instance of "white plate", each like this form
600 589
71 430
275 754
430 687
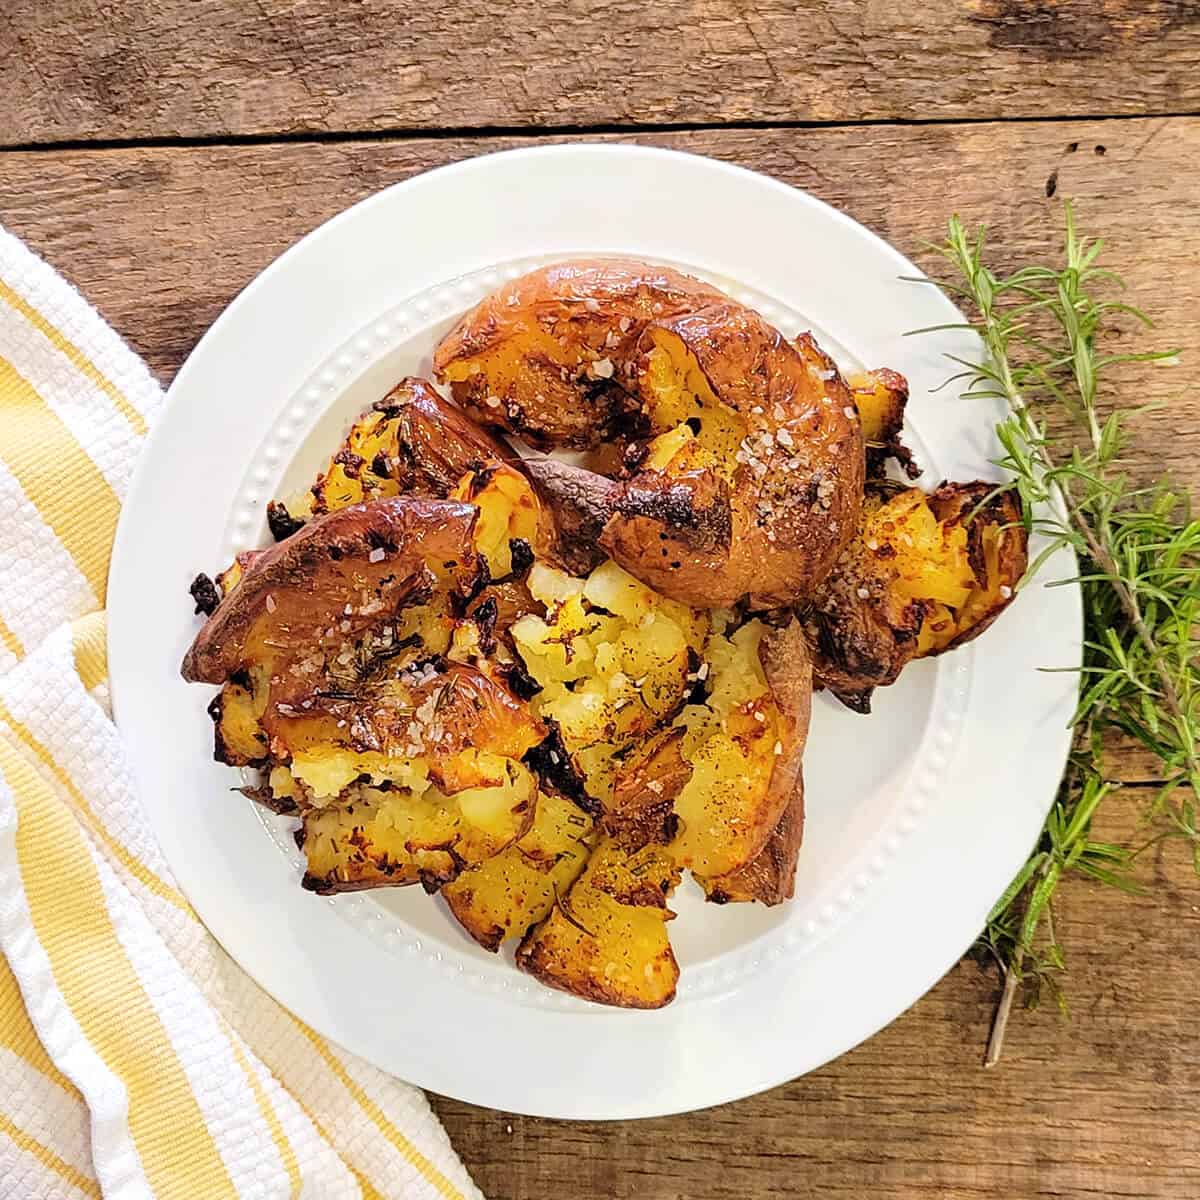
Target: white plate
919 815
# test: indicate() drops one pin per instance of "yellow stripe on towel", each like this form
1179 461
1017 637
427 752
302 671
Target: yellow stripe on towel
71 919
286 1153
134 866
47 1157
10 641
406 1149
18 1036
58 476
79 360
89 644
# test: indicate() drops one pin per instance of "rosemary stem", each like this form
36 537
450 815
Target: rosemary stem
995 1044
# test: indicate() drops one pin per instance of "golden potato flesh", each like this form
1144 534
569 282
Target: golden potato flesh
611 657
606 939
744 745
236 712
504 895
376 839
509 511
544 356
371 837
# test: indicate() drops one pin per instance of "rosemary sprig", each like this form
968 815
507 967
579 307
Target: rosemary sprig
1139 572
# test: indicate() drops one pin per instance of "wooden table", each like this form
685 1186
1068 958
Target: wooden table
161 153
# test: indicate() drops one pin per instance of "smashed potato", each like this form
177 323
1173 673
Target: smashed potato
730 765
757 502
606 939
376 838
504 895
924 574
611 659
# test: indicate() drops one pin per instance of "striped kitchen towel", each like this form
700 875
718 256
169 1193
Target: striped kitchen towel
136 1059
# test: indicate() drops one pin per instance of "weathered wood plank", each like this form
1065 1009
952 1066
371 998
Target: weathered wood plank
87 69
1101 1106
162 238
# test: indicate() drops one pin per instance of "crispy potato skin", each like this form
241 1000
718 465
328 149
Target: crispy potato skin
505 895
642 807
351 849
535 342
953 503
606 940
727 816
564 357
297 586
787 665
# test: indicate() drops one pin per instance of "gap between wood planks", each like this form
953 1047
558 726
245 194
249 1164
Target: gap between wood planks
536 132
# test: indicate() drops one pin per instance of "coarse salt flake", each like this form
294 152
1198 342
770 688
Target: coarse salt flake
377 555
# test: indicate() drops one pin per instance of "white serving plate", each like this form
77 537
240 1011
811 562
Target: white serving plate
918 815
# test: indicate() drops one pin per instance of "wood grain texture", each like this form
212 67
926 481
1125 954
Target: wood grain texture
1099 1106
118 69
161 239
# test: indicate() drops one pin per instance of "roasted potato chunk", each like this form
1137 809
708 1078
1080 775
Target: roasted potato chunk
924 574
236 711
745 745
539 356
503 896
378 838
606 939
611 657
769 877
881 397
509 512
757 502
411 443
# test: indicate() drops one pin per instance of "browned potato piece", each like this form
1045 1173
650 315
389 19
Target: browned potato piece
539 356
752 483
881 397
363 845
642 809
411 443
327 585
744 747
236 711
606 939
770 877
998 550
924 574
505 895
780 441
376 838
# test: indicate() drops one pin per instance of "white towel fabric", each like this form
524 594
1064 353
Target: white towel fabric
136 1059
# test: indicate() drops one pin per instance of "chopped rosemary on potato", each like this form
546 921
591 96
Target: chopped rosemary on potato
1139 572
